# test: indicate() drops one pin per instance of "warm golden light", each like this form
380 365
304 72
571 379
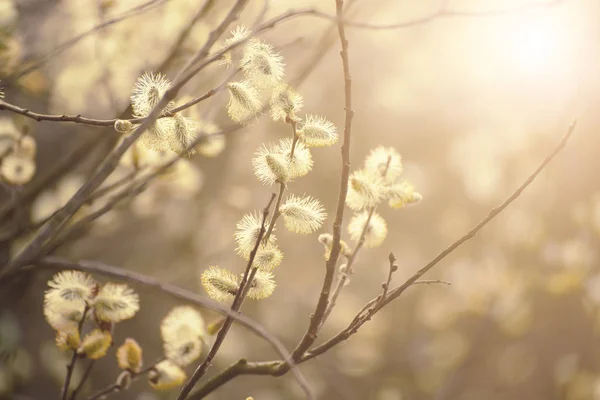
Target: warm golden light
538 45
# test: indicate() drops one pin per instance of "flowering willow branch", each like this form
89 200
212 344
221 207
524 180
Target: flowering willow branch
104 122
77 155
315 320
110 164
165 288
347 271
237 303
279 368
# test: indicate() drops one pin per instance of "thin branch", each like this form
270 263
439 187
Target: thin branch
236 305
278 368
441 14
71 365
95 267
86 374
32 250
185 33
104 122
150 5
348 270
316 318
115 387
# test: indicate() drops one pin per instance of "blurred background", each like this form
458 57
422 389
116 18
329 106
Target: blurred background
472 102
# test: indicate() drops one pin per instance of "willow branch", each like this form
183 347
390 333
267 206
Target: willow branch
236 305
345 275
278 368
316 318
96 267
71 365
86 374
115 387
109 165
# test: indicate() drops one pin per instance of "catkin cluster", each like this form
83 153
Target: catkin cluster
172 132
378 180
75 298
76 303
279 162
17 154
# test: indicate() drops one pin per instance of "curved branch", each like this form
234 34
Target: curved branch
97 267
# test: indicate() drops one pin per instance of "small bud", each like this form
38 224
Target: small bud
394 268
123 126
95 344
285 103
392 258
129 356
214 327
343 268
67 340
27 147
124 380
166 375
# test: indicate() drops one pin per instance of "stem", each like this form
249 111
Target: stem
83 379
114 387
71 365
294 125
315 320
236 305
344 276
276 212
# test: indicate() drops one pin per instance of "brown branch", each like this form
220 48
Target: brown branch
32 250
96 267
71 365
276 212
86 374
115 387
278 368
185 33
150 5
315 320
236 305
104 122
76 156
